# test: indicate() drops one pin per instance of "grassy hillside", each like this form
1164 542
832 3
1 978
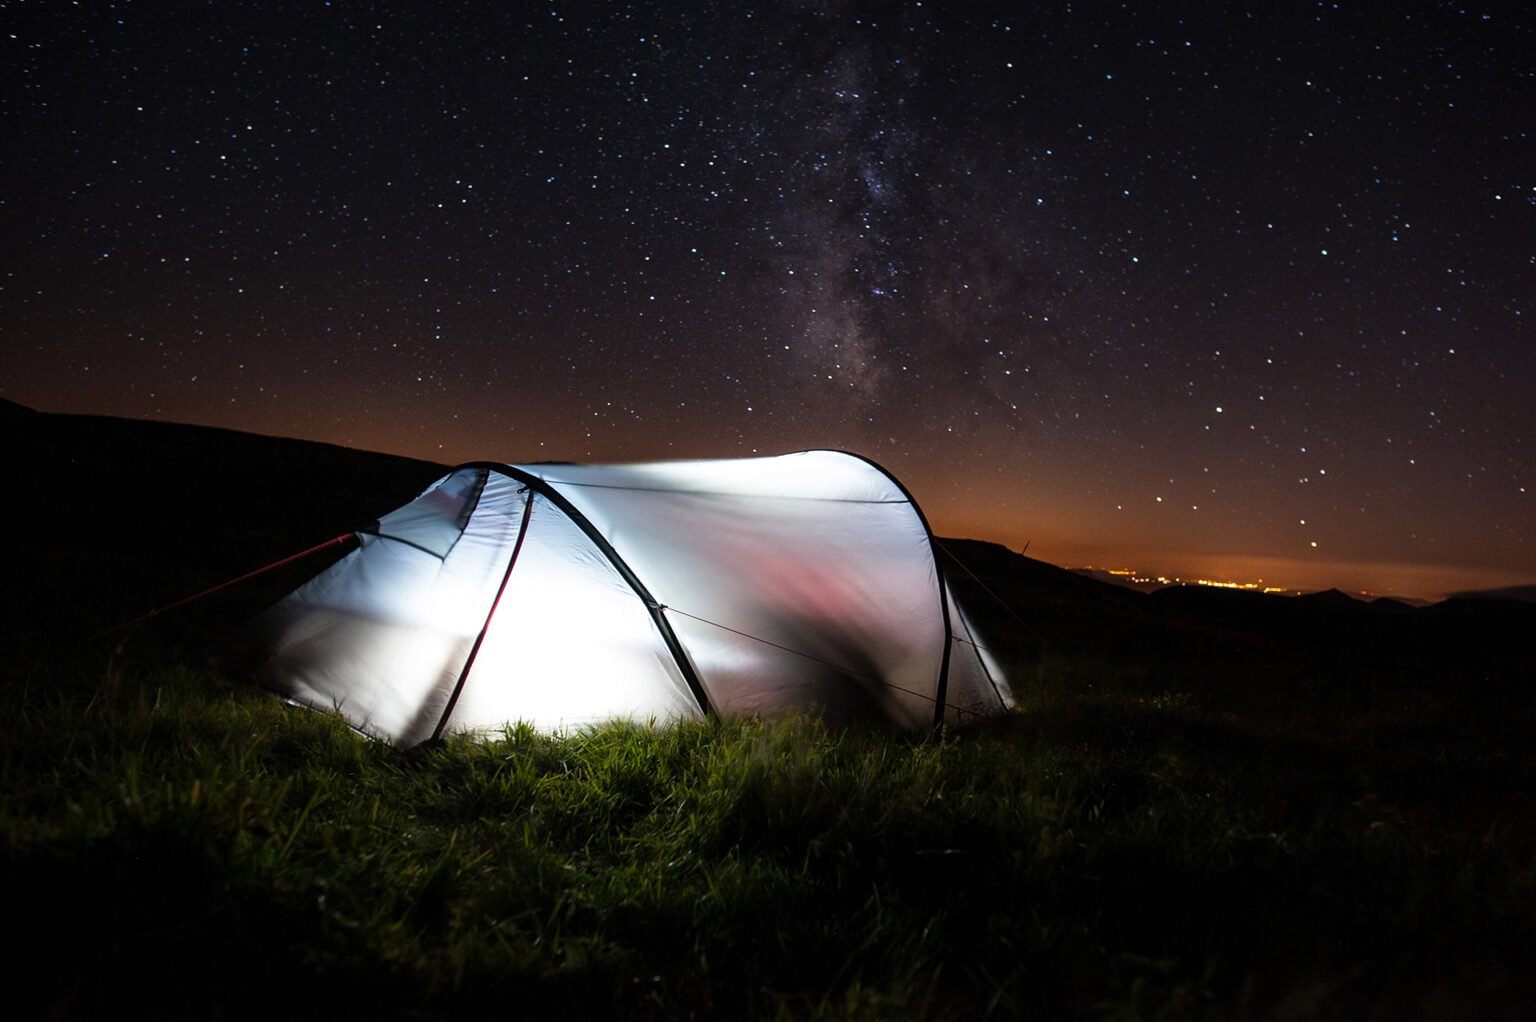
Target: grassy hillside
1201 809
116 516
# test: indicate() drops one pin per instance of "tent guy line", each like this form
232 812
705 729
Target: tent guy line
995 598
798 652
149 615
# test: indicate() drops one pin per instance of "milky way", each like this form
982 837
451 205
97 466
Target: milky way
1240 294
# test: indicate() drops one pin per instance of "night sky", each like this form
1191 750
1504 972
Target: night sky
1243 294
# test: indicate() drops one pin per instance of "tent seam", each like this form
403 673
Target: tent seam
725 493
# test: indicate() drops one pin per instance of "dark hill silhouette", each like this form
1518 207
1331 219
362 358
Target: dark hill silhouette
1524 593
120 516
10 411
1331 598
1204 637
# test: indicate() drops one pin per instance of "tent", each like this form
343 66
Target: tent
567 595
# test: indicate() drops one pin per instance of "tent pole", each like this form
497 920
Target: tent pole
941 695
474 651
941 687
652 605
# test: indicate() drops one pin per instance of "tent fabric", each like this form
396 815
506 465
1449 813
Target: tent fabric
569 595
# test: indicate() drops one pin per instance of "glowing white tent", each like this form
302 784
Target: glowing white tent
566 595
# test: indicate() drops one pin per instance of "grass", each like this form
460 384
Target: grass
1123 846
